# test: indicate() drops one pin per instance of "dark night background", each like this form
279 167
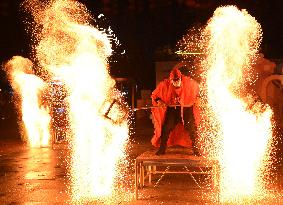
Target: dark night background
144 27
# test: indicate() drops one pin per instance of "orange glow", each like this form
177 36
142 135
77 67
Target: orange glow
28 87
76 53
239 125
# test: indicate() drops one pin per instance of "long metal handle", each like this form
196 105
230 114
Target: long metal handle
149 107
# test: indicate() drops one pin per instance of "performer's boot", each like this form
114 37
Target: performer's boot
161 150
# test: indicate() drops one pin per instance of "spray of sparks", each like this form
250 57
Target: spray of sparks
190 50
69 49
189 44
28 89
236 128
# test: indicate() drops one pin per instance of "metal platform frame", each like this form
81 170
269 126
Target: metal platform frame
147 164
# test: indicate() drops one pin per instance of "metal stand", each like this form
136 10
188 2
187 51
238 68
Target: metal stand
148 164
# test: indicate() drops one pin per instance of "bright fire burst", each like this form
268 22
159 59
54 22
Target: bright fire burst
239 125
29 89
69 48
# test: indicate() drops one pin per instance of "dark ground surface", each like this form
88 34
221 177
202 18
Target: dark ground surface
39 176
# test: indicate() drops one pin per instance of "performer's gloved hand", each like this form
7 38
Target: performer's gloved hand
161 103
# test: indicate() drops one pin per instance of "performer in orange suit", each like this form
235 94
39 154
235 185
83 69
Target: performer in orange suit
175 125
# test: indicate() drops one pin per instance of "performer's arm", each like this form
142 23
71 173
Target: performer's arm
156 96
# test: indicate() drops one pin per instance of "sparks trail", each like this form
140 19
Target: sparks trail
67 47
34 118
238 137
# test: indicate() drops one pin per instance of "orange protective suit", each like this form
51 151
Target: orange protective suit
187 96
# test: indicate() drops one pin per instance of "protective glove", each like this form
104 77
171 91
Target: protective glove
161 103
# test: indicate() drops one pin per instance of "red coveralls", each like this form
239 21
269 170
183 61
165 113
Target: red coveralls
187 96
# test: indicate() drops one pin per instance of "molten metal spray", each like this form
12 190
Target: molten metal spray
67 47
29 88
239 126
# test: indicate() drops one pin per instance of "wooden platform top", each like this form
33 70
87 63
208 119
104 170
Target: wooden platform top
174 156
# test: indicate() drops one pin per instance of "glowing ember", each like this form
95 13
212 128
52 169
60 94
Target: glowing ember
28 87
239 126
190 43
70 49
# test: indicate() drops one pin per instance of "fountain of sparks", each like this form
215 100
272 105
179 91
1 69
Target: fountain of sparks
236 128
34 116
67 47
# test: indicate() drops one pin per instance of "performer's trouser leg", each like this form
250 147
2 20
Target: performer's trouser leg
171 119
190 126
